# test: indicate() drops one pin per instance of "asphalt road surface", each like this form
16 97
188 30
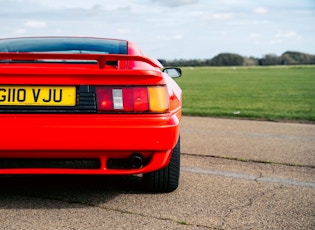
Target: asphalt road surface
235 174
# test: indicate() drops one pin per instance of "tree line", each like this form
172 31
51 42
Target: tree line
231 59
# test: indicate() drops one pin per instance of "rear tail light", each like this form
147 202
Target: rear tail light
132 99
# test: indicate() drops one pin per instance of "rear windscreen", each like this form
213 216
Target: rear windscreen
64 45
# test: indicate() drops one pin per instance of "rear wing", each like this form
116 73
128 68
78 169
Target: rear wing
100 58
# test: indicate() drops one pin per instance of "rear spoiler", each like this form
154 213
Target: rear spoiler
100 58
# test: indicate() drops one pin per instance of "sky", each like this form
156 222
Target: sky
171 29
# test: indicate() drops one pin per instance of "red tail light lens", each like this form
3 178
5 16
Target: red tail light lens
132 99
140 99
104 99
122 99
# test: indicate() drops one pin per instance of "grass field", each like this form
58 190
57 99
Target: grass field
267 93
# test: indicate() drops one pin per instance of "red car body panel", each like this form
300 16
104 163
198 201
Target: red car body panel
100 136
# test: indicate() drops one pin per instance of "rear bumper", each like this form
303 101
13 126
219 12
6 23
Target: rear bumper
88 136
157 160
88 132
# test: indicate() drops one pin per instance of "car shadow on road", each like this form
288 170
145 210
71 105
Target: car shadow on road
64 191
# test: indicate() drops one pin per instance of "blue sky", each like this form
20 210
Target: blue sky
171 29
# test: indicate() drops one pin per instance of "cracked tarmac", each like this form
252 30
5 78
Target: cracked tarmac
235 174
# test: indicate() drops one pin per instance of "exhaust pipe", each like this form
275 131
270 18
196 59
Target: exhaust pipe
136 161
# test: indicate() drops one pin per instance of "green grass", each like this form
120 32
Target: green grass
267 93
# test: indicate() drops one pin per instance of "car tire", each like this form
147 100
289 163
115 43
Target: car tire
165 179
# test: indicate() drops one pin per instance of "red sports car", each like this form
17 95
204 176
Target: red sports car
74 105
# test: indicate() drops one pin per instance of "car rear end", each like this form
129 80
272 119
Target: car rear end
68 113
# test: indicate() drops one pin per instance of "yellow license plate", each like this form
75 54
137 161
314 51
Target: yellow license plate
38 95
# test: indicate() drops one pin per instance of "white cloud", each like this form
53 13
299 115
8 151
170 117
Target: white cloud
175 3
254 36
288 35
62 4
178 37
20 31
35 24
260 10
278 39
219 16
222 16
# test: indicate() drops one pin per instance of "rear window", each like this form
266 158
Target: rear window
64 45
